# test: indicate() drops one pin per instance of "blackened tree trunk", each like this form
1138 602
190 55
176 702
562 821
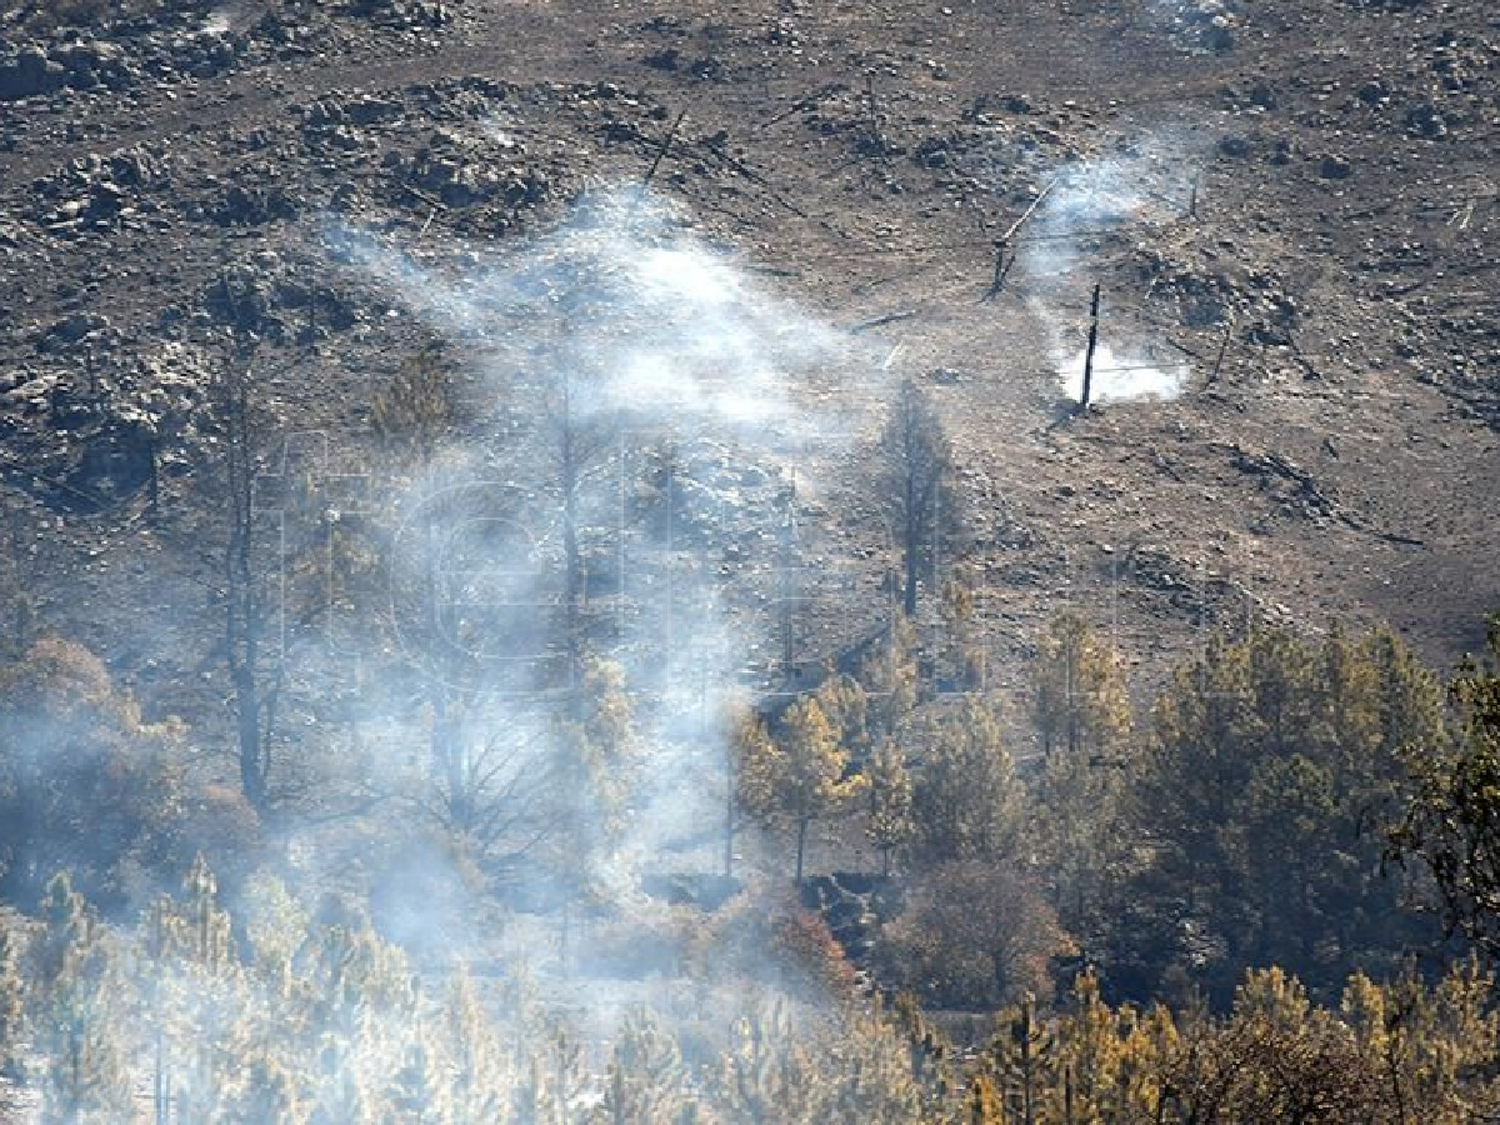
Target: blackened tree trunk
245 617
917 487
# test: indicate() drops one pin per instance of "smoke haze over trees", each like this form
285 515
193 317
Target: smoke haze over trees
476 858
633 688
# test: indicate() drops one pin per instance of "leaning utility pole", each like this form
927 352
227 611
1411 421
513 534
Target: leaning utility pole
1088 356
1213 376
661 152
1002 267
1006 243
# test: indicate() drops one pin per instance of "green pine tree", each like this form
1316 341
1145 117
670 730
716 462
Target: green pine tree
1024 1056
646 1083
966 800
799 779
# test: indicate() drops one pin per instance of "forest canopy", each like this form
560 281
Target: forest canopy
1265 896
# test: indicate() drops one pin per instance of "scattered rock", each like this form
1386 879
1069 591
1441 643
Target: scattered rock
1335 168
1206 25
72 330
1234 146
1425 121
667 60
253 205
30 73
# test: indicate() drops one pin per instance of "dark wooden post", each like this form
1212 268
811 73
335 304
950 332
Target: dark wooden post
661 153
1001 269
1088 356
1003 243
877 138
1213 376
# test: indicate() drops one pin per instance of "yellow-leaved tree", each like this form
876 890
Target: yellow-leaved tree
798 779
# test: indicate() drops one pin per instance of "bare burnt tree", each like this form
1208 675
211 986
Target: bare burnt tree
18 611
494 795
274 582
577 428
487 776
446 556
413 417
917 488
252 650
573 450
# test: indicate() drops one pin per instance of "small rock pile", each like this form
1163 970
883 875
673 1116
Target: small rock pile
117 54
1206 25
98 427
1213 288
97 193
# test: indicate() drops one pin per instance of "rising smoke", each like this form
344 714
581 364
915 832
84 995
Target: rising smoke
636 383
637 414
1143 186
1119 377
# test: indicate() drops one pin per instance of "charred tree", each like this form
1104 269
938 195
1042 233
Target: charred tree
919 499
787 597
275 586
413 417
18 611
576 440
486 781
253 662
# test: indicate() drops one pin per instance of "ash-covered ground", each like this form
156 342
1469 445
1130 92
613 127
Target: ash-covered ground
1289 210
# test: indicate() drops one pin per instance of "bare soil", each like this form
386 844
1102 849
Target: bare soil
1322 210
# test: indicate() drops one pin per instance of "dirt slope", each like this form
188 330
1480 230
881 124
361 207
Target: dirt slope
1299 196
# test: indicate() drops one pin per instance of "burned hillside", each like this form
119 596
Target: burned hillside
888 535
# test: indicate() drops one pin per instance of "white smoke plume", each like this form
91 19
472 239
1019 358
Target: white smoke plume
1142 187
1120 377
670 329
683 378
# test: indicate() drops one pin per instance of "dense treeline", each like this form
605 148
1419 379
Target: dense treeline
320 1020
1248 824
1306 811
